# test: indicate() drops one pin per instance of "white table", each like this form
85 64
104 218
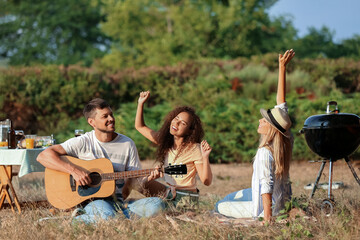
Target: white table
26 159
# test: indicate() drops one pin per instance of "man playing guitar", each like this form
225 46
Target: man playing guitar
103 142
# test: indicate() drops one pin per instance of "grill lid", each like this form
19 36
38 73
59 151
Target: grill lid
332 119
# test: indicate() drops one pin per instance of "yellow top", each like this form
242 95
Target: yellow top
189 156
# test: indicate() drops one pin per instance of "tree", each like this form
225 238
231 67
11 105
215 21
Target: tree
43 31
162 32
317 43
351 47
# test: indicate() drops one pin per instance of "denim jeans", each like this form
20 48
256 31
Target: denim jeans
237 204
102 209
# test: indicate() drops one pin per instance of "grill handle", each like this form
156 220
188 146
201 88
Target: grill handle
332 103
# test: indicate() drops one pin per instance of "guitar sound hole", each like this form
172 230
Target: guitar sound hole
95 178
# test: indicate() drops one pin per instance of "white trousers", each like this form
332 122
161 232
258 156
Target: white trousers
237 204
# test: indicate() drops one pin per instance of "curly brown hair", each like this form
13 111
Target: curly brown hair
166 140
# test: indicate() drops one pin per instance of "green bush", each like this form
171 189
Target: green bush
227 96
54 94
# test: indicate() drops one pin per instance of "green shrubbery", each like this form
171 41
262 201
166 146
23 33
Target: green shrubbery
54 94
226 94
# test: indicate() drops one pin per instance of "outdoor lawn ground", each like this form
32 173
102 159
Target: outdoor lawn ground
201 224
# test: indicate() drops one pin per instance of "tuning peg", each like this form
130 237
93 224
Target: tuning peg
169 164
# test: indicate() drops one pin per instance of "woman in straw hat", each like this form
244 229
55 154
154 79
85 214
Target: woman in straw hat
270 180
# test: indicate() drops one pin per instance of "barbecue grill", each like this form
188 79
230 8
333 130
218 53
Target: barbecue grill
333 136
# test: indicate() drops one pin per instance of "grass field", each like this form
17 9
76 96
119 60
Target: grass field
201 223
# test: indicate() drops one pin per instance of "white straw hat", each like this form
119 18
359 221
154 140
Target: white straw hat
279 119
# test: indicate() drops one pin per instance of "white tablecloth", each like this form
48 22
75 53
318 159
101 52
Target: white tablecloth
26 158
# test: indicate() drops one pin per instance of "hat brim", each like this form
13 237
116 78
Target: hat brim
267 118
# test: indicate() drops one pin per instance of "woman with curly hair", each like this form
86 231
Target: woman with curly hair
178 142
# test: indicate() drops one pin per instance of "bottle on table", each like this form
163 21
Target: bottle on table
53 140
11 137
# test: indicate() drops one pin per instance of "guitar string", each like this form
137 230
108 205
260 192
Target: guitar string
121 175
129 174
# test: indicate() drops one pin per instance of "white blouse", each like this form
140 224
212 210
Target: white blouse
264 181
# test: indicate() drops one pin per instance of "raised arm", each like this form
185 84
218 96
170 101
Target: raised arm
204 170
283 60
50 158
139 119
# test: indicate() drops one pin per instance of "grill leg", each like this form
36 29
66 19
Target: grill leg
352 170
330 179
318 178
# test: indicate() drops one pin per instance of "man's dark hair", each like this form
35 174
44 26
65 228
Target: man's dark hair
89 109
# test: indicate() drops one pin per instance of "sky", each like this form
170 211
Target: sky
341 16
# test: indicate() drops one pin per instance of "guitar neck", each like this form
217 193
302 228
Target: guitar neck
126 174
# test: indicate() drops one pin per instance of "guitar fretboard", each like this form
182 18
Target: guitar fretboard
128 174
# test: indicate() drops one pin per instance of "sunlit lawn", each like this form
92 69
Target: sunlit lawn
200 224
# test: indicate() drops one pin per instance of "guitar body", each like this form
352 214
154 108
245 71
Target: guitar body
62 191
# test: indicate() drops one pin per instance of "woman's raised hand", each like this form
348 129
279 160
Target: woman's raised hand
143 97
281 90
285 59
205 149
204 170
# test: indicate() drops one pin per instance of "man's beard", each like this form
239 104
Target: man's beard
106 131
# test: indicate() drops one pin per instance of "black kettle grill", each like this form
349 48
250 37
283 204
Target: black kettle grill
332 136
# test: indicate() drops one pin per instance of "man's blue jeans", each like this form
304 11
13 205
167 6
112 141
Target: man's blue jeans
103 209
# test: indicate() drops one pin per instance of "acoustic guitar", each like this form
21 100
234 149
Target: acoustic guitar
63 192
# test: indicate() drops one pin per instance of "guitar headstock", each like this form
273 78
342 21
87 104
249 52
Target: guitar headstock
177 169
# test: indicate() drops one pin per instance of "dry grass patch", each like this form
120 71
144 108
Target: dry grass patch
201 223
